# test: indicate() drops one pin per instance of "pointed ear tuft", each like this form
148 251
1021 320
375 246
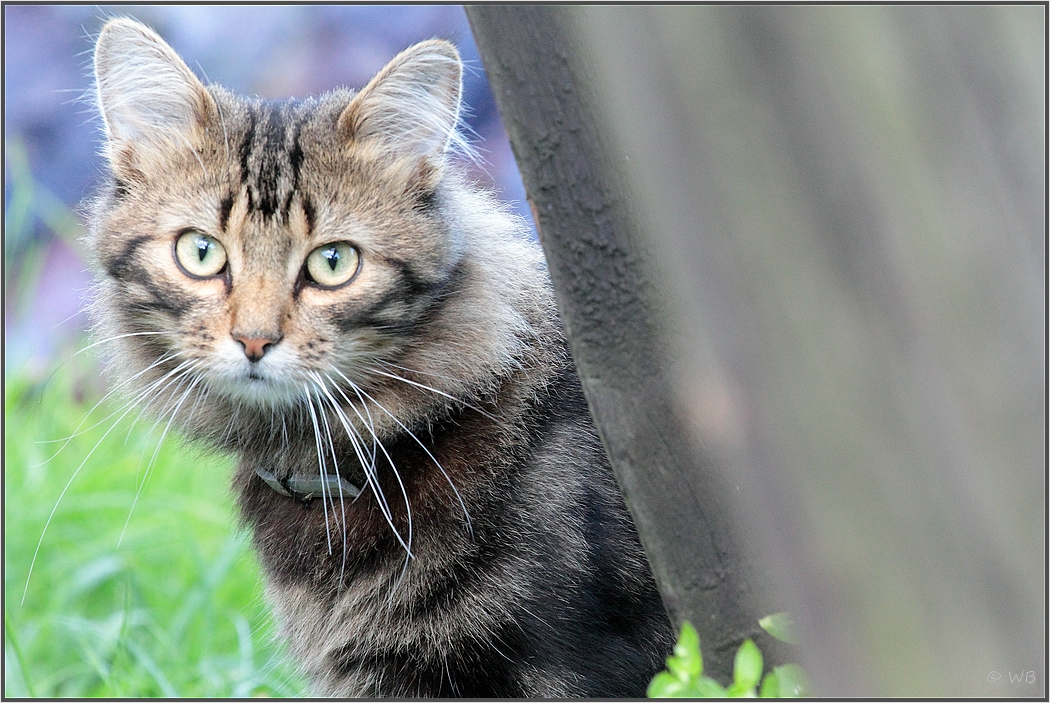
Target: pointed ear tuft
146 93
412 105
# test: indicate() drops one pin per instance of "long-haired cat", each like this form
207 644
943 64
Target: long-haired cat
314 287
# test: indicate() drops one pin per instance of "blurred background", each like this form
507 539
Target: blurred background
51 132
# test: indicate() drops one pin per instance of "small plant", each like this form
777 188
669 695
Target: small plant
684 676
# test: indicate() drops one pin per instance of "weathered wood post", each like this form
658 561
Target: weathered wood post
612 312
800 252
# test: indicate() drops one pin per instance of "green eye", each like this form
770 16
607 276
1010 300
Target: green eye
200 255
332 264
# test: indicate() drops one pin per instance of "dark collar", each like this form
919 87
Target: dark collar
305 488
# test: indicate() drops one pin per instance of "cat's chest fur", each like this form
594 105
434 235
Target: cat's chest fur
473 612
311 286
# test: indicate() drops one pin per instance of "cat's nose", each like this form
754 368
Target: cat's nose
256 347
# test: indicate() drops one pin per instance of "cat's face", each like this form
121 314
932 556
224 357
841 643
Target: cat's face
255 251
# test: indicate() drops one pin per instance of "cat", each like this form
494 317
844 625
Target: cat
313 286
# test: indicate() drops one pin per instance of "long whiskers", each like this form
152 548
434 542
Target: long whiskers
425 387
392 365
320 460
186 367
368 462
97 343
335 466
371 477
153 460
131 406
112 391
370 469
360 392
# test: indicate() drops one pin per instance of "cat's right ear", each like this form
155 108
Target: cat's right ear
412 105
148 96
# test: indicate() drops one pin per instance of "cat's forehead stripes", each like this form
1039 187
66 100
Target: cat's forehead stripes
225 207
271 157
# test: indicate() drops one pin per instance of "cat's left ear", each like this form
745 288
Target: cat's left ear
412 105
148 96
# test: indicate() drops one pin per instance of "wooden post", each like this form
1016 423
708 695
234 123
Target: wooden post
612 314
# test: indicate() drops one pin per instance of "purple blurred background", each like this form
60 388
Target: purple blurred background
51 134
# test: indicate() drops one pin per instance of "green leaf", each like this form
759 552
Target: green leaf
684 679
707 687
793 682
747 667
781 626
687 663
688 651
770 687
740 691
664 685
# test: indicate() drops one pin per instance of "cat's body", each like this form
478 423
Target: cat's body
311 286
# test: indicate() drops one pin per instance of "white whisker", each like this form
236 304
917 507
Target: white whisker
155 390
368 465
99 342
342 506
437 463
331 449
156 452
112 391
231 424
372 477
397 475
320 460
65 489
425 387
373 455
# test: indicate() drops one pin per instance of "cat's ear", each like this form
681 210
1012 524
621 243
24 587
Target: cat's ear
147 94
412 105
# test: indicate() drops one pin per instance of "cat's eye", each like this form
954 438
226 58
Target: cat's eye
333 264
200 255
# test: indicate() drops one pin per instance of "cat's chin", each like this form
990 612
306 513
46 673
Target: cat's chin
257 391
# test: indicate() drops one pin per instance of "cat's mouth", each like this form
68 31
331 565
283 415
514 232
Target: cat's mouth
255 386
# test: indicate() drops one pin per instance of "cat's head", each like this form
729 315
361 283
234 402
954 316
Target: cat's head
250 252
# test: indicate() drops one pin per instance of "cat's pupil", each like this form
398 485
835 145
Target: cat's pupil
202 248
332 255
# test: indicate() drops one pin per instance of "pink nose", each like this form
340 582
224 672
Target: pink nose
255 348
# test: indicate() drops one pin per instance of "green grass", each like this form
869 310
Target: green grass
172 608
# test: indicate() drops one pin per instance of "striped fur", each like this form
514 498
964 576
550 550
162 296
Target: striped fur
490 553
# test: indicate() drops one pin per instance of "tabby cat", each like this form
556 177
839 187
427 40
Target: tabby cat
313 286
